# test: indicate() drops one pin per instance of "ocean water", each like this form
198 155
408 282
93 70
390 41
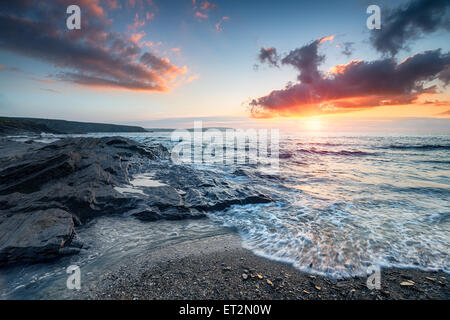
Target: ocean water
342 203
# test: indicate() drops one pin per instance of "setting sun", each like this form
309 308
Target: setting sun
313 124
215 150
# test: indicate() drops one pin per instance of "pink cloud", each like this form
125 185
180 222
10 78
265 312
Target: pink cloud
219 24
206 5
136 23
200 15
113 4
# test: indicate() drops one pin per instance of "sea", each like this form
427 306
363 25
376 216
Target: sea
343 203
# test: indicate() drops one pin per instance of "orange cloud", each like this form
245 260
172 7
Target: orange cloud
98 58
354 86
137 36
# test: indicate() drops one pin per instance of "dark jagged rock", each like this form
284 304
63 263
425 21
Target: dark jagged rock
48 190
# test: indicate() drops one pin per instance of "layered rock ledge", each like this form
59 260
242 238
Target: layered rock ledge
47 191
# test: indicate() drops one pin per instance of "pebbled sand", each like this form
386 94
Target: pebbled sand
213 268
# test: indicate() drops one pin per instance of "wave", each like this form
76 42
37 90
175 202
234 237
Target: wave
285 155
338 153
424 147
325 144
436 161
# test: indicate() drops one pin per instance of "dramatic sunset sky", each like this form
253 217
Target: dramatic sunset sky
300 64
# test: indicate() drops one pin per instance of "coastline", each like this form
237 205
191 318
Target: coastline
214 268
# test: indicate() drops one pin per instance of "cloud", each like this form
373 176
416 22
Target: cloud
113 4
219 24
270 56
135 37
206 5
347 48
445 113
11 69
356 85
306 60
50 90
410 22
202 12
137 24
92 56
192 78
437 103
200 15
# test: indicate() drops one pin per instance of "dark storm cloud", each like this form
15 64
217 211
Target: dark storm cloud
409 22
306 60
92 56
356 85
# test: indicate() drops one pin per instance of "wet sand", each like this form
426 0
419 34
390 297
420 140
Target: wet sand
219 268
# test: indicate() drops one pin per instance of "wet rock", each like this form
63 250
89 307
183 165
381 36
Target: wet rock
89 177
37 235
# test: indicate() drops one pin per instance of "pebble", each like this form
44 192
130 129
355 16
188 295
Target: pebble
244 276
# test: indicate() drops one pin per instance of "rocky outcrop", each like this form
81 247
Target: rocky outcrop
44 234
47 192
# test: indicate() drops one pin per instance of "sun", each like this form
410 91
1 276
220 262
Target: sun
313 124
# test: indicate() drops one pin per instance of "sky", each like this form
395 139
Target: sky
310 65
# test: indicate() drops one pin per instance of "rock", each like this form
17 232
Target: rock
259 276
407 283
318 288
89 177
38 234
227 269
270 283
244 276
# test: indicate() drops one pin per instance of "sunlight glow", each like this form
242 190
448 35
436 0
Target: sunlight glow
313 124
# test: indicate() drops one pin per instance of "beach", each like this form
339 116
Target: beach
219 268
